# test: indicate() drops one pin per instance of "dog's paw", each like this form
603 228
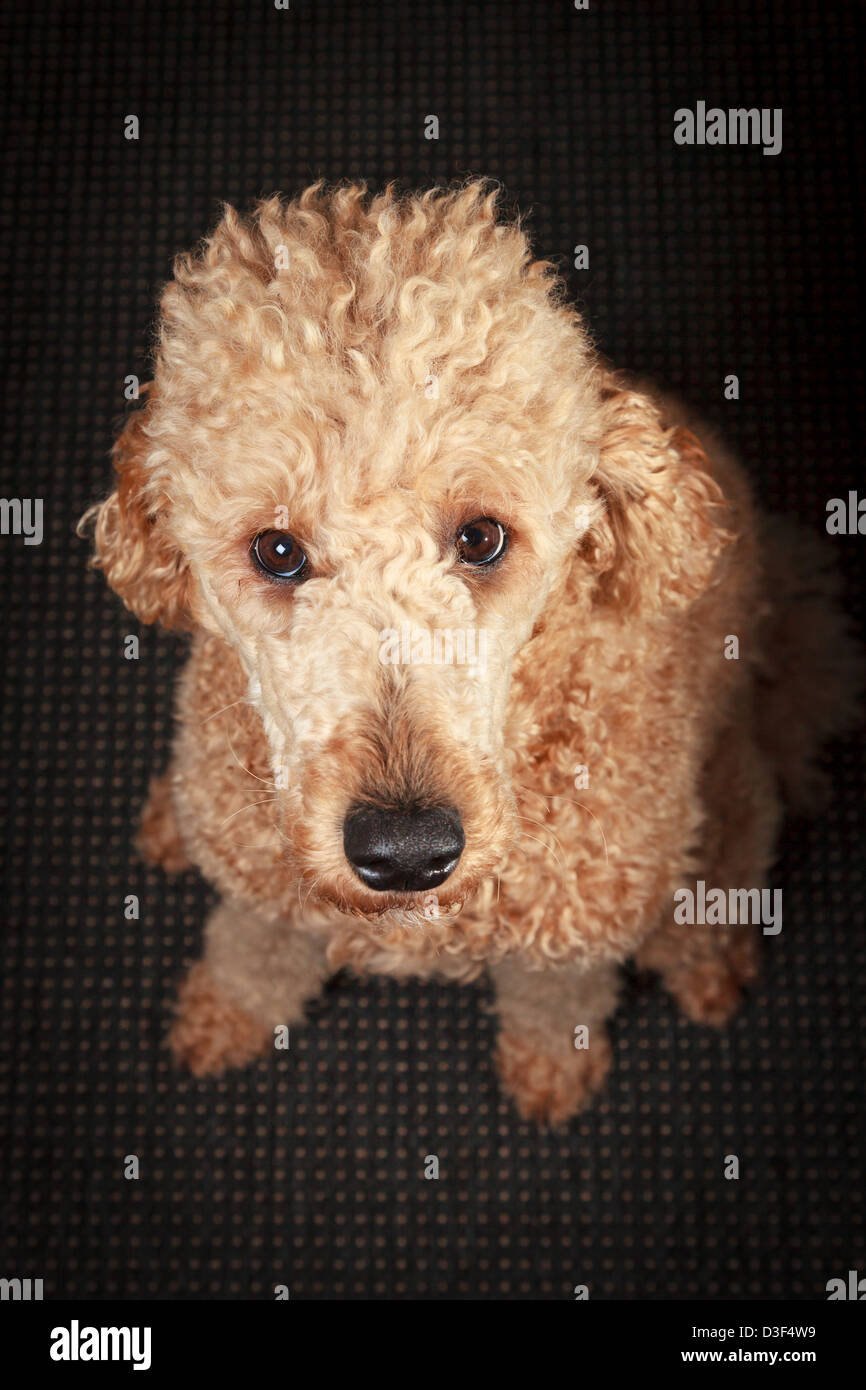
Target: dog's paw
551 1087
710 990
210 1033
159 839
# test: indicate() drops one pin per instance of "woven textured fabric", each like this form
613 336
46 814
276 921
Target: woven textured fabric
308 1169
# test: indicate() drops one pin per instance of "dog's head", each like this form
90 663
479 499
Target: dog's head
376 449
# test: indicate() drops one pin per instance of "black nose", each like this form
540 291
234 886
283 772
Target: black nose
403 851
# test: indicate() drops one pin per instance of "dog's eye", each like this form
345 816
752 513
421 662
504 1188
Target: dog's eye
279 555
482 541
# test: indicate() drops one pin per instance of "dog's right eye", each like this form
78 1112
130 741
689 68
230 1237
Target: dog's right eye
279 555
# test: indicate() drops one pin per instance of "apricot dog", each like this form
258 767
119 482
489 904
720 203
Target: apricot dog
378 443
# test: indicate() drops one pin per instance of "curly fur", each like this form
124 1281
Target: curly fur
296 351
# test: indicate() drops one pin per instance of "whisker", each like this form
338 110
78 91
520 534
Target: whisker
266 781
223 710
598 823
310 891
549 830
234 844
526 836
535 792
562 796
266 801
280 831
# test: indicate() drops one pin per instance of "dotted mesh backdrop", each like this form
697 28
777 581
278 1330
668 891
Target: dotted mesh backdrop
308 1169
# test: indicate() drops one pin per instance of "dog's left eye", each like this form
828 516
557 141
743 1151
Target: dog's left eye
279 555
482 541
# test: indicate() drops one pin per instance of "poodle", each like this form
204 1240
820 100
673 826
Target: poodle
492 656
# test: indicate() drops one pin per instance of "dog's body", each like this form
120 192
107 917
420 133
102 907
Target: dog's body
367 380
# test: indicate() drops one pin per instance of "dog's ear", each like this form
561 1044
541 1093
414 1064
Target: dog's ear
131 544
663 524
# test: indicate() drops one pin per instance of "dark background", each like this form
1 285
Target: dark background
307 1169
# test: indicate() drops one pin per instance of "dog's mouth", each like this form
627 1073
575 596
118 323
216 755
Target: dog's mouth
406 910
406 868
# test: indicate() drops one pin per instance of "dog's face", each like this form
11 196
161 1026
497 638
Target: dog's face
377 617
366 463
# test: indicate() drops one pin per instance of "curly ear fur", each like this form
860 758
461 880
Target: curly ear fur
663 525
131 545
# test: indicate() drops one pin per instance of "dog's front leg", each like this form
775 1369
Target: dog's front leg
553 1051
256 974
